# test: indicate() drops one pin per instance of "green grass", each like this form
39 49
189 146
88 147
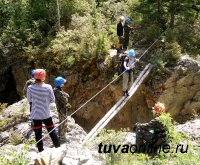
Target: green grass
15 157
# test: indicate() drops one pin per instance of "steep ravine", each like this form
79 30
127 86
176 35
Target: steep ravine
179 90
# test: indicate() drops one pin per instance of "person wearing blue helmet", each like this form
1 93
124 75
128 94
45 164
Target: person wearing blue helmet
62 104
128 20
31 81
129 64
127 29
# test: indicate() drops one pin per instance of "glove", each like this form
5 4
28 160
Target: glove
137 60
67 95
68 105
128 68
152 131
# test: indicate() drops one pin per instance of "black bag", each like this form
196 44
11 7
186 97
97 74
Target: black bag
146 138
121 67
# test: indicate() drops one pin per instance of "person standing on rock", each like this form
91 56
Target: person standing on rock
29 82
62 104
127 30
120 33
41 95
128 65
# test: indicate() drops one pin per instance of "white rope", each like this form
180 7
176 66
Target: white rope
96 93
151 45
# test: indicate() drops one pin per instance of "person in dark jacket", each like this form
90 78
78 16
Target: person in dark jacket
31 81
120 33
127 29
154 132
62 104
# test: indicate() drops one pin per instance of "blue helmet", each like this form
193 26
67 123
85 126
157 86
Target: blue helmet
59 81
128 20
32 73
131 53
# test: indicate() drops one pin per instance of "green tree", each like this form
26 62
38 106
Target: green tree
179 18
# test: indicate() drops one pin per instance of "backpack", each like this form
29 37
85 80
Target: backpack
147 138
121 67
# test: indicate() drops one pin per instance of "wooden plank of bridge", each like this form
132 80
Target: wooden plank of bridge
118 106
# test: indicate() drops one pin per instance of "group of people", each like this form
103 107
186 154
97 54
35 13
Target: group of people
123 32
128 58
154 132
39 96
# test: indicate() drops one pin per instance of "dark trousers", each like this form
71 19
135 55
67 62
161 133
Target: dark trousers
37 127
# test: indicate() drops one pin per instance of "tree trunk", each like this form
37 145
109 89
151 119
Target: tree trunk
58 12
172 13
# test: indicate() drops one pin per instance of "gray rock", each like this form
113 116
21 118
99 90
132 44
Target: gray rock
4 137
24 129
130 138
70 161
191 128
51 156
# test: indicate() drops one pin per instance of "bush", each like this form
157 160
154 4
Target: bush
3 123
14 157
16 138
2 107
109 137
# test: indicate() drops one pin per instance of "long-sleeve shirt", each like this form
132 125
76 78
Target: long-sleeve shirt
40 95
127 29
62 99
120 29
129 64
29 82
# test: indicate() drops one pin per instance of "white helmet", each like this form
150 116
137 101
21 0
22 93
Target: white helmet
121 18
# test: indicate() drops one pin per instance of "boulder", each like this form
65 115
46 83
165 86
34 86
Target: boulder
51 156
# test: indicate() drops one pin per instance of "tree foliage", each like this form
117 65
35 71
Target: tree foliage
178 19
29 29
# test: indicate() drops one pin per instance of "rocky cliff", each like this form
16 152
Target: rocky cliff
180 91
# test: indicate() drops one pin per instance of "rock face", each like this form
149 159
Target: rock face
191 128
181 91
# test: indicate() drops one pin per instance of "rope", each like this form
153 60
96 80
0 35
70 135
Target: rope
97 93
151 45
81 106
